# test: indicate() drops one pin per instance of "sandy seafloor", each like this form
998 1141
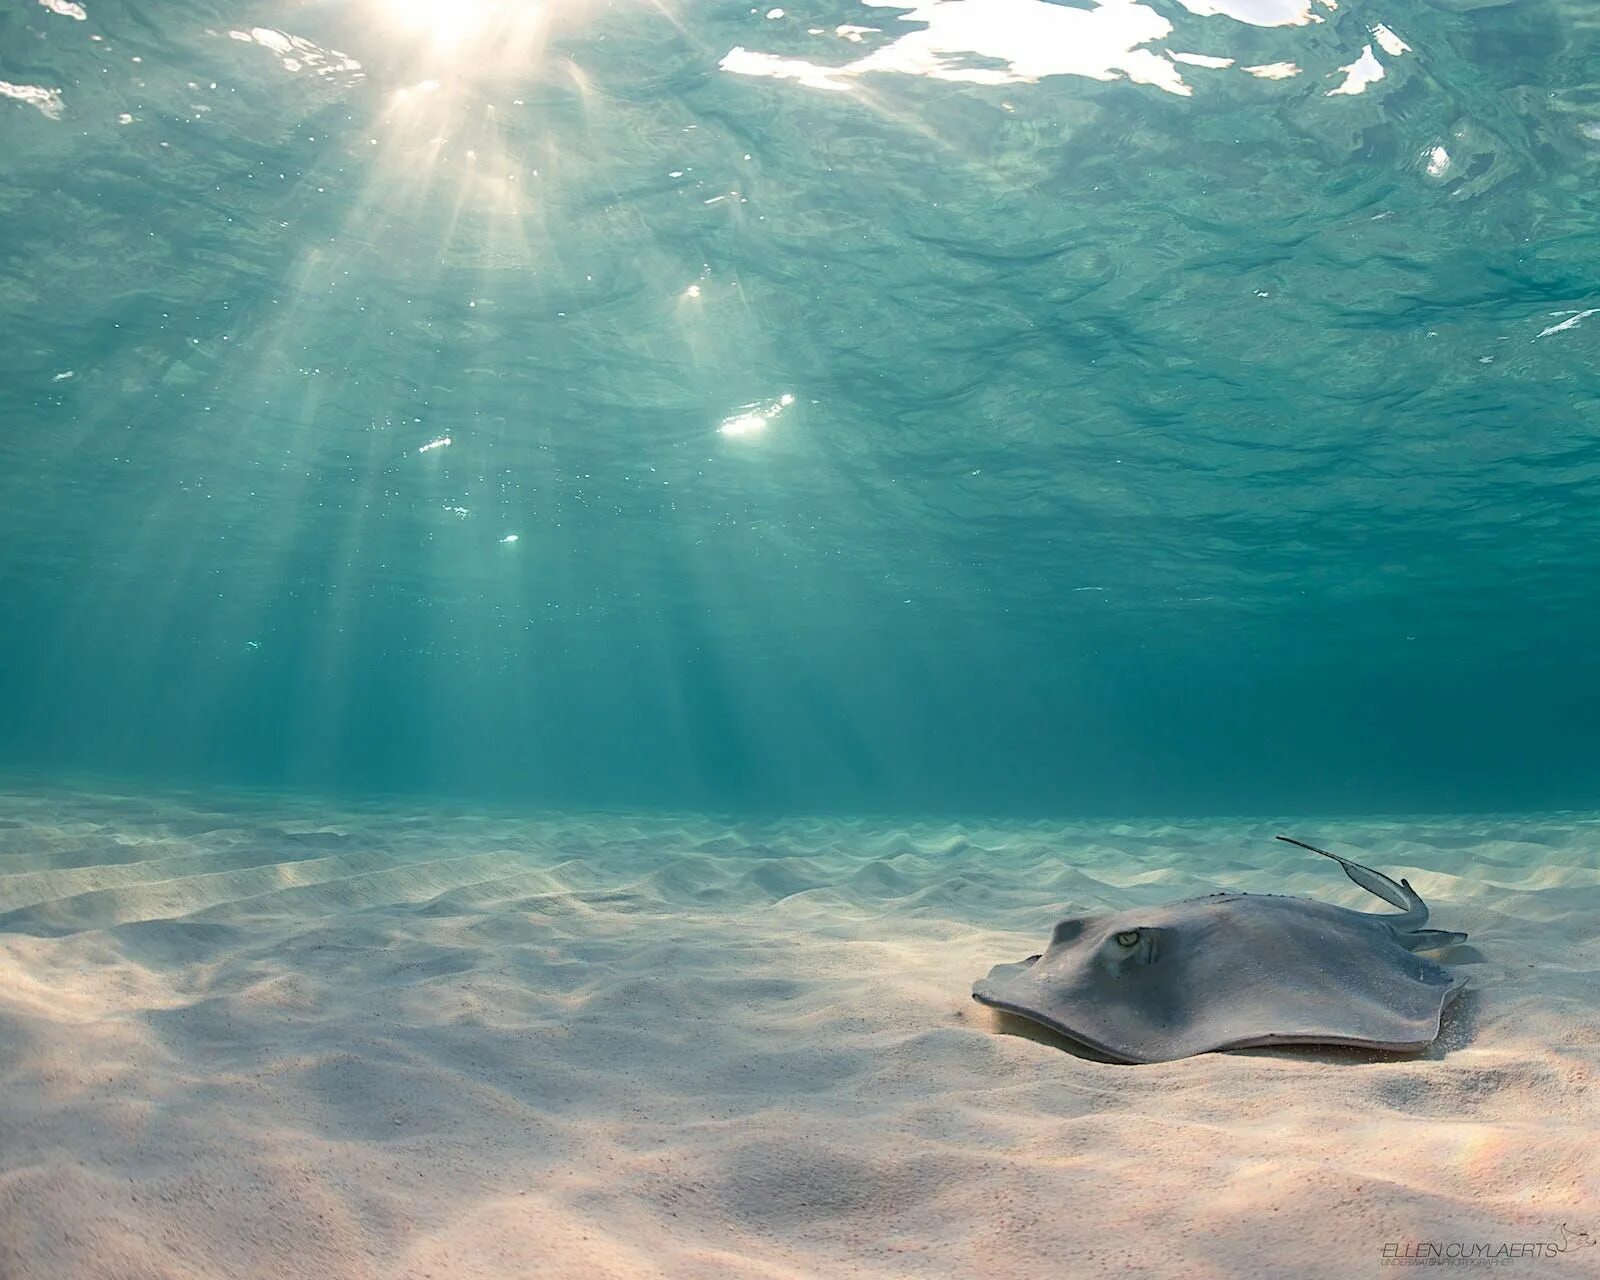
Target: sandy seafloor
259 1037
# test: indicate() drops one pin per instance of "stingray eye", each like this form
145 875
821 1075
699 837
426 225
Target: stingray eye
1128 938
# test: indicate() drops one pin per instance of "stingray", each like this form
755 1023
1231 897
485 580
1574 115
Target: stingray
1237 970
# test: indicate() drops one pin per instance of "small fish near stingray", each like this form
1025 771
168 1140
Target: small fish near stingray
1235 971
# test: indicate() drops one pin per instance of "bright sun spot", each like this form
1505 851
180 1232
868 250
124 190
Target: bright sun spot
447 21
746 424
754 417
469 39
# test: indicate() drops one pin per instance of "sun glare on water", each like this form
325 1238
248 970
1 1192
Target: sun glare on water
471 37
450 22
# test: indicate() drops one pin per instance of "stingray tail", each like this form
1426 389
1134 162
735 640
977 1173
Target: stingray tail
1429 939
1400 895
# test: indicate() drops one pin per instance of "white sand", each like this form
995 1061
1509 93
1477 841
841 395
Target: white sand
253 1038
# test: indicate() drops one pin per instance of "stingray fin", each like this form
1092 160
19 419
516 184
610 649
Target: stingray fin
1400 895
1429 939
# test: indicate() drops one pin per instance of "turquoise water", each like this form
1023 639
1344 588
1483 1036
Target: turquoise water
988 406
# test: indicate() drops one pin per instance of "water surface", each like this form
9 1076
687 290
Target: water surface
1008 406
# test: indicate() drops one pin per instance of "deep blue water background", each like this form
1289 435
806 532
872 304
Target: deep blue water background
1148 451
